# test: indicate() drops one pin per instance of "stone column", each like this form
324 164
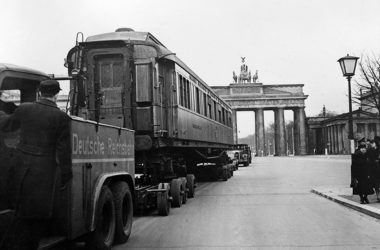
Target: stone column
337 138
324 141
260 132
340 141
296 126
279 134
366 132
302 132
300 124
234 126
333 132
329 139
345 138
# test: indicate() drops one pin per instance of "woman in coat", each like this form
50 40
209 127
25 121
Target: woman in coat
361 173
373 157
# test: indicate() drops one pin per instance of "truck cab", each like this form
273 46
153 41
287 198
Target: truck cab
97 204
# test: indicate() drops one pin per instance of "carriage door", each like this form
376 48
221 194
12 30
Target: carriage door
112 88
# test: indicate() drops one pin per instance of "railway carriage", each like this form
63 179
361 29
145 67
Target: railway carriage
143 126
130 79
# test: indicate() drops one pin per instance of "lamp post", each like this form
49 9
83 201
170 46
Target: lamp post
348 66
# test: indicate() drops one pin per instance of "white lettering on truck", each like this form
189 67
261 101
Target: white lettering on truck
96 146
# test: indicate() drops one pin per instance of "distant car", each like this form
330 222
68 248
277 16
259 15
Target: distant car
235 156
245 153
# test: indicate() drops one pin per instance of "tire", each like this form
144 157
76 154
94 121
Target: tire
225 174
123 211
184 190
190 185
103 236
175 192
163 203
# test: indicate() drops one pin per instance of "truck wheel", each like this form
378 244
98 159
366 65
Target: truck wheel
163 202
225 174
103 236
184 190
124 211
190 185
175 192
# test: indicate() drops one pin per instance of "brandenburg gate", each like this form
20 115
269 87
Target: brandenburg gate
247 94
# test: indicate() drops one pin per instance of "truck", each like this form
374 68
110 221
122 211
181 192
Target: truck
144 126
245 155
97 204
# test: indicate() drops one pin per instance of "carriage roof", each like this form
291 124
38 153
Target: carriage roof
130 35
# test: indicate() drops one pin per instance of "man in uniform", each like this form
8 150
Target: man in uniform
44 149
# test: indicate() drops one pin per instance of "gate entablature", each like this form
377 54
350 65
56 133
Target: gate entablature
250 96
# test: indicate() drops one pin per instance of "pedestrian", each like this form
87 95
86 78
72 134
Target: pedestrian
373 153
44 147
361 172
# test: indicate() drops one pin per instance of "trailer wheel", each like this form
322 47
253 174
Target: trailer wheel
124 211
163 202
103 236
190 185
175 192
184 190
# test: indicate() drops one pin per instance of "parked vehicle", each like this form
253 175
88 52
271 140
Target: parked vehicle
234 156
245 155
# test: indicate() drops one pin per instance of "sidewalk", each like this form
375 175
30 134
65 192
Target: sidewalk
344 196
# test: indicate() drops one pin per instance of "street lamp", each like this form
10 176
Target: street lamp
348 66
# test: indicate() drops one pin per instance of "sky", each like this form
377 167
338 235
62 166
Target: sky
287 41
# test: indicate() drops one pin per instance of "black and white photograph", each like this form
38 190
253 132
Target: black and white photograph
246 124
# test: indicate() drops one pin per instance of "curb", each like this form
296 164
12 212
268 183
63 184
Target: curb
365 209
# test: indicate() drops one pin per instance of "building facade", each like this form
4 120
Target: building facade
329 135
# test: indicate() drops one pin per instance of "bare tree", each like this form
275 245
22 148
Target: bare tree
367 91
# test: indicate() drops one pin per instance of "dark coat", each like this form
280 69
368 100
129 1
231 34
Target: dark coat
361 171
44 145
373 158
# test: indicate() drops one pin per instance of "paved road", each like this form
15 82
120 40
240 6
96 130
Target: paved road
267 205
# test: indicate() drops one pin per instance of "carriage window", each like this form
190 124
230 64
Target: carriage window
184 93
215 118
223 116
197 100
205 104
210 110
187 94
181 90
143 83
